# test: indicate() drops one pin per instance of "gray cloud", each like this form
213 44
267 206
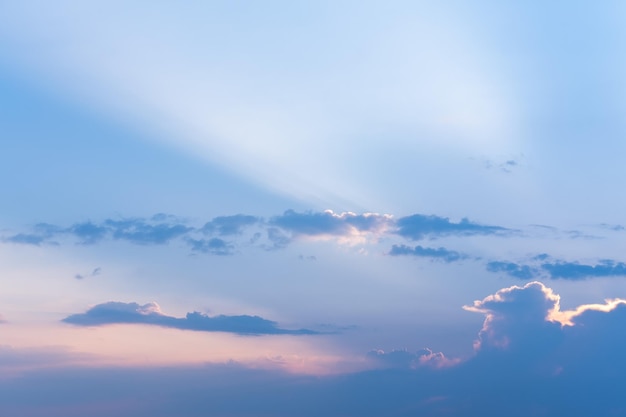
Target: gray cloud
41 233
558 269
419 226
513 269
576 271
532 359
328 223
442 254
214 246
142 232
230 225
94 273
150 314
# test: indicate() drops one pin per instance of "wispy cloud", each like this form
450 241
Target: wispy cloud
403 359
420 226
513 269
442 254
150 314
556 269
214 246
230 225
276 233
94 273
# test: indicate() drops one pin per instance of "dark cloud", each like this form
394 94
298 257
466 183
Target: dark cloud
133 313
419 226
328 223
442 254
213 246
230 225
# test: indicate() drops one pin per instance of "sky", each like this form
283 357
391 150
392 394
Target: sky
312 208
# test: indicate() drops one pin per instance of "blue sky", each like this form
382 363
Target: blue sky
296 200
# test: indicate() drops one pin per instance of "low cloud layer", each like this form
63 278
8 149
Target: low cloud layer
531 359
150 314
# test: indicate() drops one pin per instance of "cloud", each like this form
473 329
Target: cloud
576 271
230 225
142 232
531 359
419 226
513 269
507 166
95 272
42 233
89 232
440 253
328 223
26 239
278 238
133 313
403 359
157 230
214 246
573 271
279 231
531 308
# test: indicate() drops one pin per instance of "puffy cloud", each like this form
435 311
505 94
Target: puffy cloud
420 226
526 325
442 254
133 313
513 314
